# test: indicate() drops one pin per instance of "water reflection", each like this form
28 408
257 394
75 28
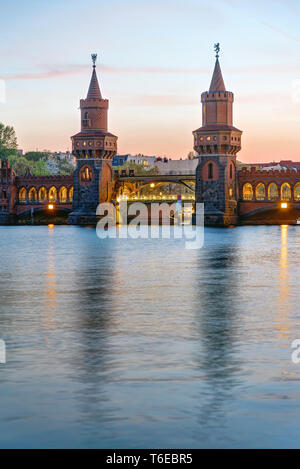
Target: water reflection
284 306
218 357
149 344
50 301
91 361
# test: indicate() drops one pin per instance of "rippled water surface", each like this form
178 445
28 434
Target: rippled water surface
142 343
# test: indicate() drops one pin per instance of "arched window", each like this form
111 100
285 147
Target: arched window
247 191
86 115
260 191
210 171
43 194
52 194
32 195
22 194
273 191
286 193
71 194
86 174
231 171
297 191
63 194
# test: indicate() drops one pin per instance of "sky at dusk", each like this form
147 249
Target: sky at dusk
155 58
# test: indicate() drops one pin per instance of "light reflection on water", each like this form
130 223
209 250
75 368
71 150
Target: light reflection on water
142 343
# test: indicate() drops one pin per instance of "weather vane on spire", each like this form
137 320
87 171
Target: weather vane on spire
94 58
217 49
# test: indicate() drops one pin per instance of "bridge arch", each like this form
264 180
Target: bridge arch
22 195
52 194
273 192
297 192
247 191
63 194
42 194
32 194
285 191
155 183
260 191
71 192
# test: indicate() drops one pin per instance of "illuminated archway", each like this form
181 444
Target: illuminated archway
273 192
260 191
247 191
286 193
86 175
43 194
156 190
297 191
32 194
52 194
63 194
22 194
71 194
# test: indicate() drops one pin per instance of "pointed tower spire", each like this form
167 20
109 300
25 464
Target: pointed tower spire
94 88
217 82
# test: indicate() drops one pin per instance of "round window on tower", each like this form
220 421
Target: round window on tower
84 144
90 143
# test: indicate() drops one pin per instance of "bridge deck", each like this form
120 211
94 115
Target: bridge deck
159 178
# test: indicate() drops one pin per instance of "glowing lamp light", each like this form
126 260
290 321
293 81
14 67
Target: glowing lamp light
152 185
50 207
284 205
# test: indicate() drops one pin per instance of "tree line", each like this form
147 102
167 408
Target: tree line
34 161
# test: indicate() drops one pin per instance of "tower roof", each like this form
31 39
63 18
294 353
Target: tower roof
94 88
217 82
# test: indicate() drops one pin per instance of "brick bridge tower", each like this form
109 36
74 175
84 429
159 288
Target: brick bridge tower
217 143
93 147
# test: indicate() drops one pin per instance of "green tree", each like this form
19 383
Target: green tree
35 155
8 141
40 168
20 164
65 167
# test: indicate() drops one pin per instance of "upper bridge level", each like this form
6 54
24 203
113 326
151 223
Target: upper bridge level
269 195
38 192
131 185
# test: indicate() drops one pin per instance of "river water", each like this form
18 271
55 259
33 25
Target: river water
131 343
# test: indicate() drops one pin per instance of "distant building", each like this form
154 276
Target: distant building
119 160
283 164
52 166
146 161
166 166
62 155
